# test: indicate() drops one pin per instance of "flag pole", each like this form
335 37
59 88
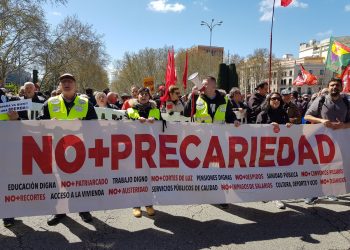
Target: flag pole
270 67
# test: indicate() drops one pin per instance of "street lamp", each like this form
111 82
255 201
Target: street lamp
211 27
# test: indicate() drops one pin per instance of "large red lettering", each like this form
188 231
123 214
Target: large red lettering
288 142
31 150
253 150
191 139
164 151
62 145
305 151
237 155
324 159
141 153
264 151
214 145
123 154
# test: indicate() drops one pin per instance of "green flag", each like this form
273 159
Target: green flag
338 56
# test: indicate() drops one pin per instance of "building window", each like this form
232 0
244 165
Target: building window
290 81
299 89
281 82
321 72
274 74
310 71
309 92
290 73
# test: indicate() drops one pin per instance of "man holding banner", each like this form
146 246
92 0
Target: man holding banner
68 106
9 116
211 106
333 111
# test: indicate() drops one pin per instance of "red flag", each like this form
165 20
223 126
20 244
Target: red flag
170 75
305 77
285 3
345 76
184 77
299 81
309 78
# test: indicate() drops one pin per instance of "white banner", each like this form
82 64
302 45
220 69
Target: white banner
15 106
53 167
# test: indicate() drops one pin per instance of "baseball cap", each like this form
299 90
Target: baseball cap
143 89
125 95
260 85
286 92
67 76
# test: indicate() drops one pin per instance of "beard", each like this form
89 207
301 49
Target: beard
335 93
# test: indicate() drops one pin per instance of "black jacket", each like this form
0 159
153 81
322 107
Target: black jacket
254 106
240 105
279 116
36 99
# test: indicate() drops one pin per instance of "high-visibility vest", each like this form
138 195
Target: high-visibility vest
202 115
134 113
58 110
4 117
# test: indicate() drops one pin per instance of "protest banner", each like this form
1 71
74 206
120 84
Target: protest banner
51 167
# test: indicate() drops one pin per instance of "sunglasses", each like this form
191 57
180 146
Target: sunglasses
275 99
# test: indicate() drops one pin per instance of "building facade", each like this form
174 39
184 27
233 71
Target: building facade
312 56
319 48
288 69
214 51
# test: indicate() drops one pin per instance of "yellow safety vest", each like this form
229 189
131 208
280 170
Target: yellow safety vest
202 115
134 113
58 110
4 117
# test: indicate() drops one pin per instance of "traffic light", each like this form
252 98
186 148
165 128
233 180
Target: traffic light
35 76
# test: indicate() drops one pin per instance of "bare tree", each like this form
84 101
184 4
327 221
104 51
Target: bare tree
22 28
134 67
74 47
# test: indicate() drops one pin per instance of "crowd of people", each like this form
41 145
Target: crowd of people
205 105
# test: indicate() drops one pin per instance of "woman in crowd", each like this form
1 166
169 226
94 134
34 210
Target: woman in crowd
174 103
272 112
145 110
101 101
239 107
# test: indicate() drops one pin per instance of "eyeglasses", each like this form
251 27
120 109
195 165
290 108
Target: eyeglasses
275 99
143 94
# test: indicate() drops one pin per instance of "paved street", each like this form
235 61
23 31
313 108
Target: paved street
258 225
